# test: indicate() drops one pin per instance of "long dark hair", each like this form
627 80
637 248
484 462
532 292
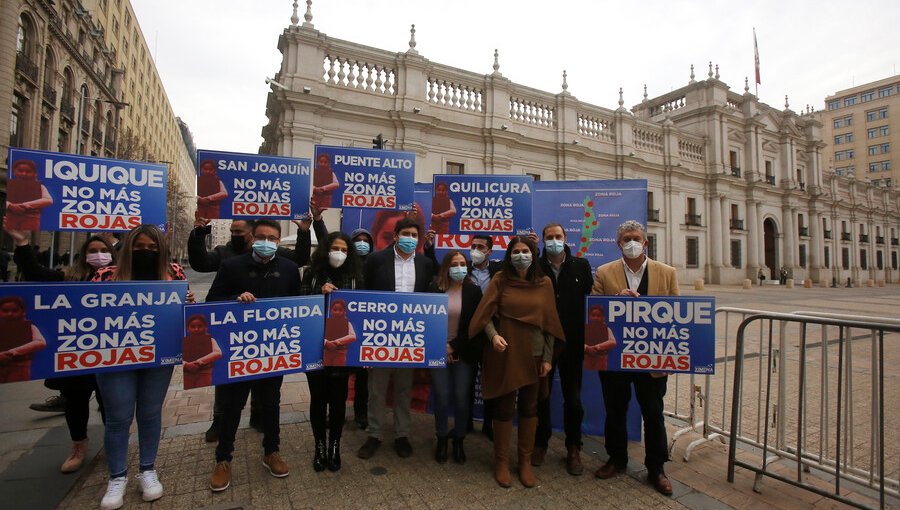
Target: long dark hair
80 270
125 269
318 261
534 271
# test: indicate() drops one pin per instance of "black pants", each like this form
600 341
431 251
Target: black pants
328 401
219 405
360 393
234 397
649 392
569 364
78 408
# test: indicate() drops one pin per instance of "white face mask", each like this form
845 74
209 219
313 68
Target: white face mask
477 257
632 249
336 258
521 261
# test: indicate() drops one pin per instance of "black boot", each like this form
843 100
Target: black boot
459 454
334 454
320 459
440 452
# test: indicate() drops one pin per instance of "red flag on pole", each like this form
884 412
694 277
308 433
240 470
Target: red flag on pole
756 56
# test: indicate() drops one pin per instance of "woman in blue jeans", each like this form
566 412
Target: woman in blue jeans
462 352
129 393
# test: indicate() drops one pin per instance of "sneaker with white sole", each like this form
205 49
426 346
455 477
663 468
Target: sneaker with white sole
115 491
150 486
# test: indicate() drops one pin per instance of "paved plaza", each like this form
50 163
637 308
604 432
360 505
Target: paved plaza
32 445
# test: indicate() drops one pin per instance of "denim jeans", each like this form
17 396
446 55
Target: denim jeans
455 380
127 394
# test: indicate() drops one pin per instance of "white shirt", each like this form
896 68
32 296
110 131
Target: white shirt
404 272
634 277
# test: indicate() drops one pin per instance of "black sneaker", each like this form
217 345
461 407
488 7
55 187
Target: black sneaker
368 449
402 447
54 404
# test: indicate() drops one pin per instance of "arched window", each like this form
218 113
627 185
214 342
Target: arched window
23 37
50 72
68 86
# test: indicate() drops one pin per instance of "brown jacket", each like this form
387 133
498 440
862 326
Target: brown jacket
518 307
609 279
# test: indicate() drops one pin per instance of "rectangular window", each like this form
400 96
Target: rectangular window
885 92
885 148
885 166
870 116
455 168
16 122
848 137
863 259
536 177
839 156
736 253
827 257
873 150
883 131
867 96
651 246
845 258
693 252
838 123
874 167
733 159
849 154
879 259
803 256
882 113
893 260
850 101
838 139
834 105
872 133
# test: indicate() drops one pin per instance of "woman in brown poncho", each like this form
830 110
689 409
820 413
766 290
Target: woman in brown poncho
518 315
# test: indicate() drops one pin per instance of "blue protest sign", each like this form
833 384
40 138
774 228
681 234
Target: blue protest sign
351 177
55 191
61 329
650 334
482 204
250 186
226 342
388 329
590 212
380 222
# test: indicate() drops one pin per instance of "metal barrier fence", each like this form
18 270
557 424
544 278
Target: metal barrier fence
786 412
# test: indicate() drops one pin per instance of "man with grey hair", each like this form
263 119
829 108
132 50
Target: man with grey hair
635 275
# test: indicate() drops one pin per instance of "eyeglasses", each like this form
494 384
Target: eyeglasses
271 239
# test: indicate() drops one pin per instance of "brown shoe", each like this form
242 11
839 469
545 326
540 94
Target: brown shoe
277 467
502 432
573 461
661 483
537 456
76 458
608 470
527 429
221 477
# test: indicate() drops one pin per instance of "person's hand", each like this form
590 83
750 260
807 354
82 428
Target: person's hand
202 201
629 292
533 236
15 208
499 343
429 239
315 210
330 345
451 354
328 287
317 190
200 221
190 297
303 225
412 213
545 368
19 237
246 297
190 367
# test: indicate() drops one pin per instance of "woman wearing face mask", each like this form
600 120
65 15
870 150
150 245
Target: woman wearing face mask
462 352
334 265
94 254
362 241
518 315
129 393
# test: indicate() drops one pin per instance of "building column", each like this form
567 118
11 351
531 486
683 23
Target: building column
788 239
795 254
754 229
815 246
715 232
726 232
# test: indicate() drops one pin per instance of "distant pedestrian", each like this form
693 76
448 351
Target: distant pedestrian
760 276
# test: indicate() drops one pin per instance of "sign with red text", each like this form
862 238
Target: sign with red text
482 204
369 178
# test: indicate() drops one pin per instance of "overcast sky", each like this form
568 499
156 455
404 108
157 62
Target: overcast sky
213 56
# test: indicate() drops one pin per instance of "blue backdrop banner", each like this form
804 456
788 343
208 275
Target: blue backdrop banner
249 186
482 204
62 329
351 177
54 191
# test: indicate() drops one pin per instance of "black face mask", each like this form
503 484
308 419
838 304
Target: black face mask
145 264
239 243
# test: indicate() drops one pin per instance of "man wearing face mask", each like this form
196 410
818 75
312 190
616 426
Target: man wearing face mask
483 268
261 273
397 268
571 277
635 275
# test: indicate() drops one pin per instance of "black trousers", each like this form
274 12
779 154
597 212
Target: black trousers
78 410
360 393
219 405
234 397
328 401
649 392
570 373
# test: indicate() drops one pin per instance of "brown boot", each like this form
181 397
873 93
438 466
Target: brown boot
573 461
76 458
502 435
527 428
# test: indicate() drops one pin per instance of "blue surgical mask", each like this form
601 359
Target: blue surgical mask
554 246
362 247
458 273
407 244
264 249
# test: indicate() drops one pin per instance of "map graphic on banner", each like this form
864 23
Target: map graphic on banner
54 191
650 334
249 186
62 329
482 204
388 329
352 177
590 212
226 342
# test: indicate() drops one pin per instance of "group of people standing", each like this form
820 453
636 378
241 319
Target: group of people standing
516 321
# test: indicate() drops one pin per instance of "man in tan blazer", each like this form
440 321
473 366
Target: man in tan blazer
635 275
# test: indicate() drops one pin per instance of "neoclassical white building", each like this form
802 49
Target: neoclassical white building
735 185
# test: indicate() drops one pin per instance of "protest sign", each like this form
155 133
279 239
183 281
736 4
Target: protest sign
352 177
250 186
380 222
61 329
482 204
226 342
650 334
54 191
389 329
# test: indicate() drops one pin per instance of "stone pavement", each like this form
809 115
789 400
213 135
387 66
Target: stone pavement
387 481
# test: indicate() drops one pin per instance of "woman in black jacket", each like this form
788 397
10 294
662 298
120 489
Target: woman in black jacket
334 265
462 353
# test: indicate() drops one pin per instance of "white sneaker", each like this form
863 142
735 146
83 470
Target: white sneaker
115 490
150 485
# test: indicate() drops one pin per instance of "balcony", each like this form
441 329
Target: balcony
827 234
97 133
735 171
692 220
86 127
110 144
770 179
864 238
49 95
653 215
67 110
804 231
27 68
845 236
879 239
736 224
